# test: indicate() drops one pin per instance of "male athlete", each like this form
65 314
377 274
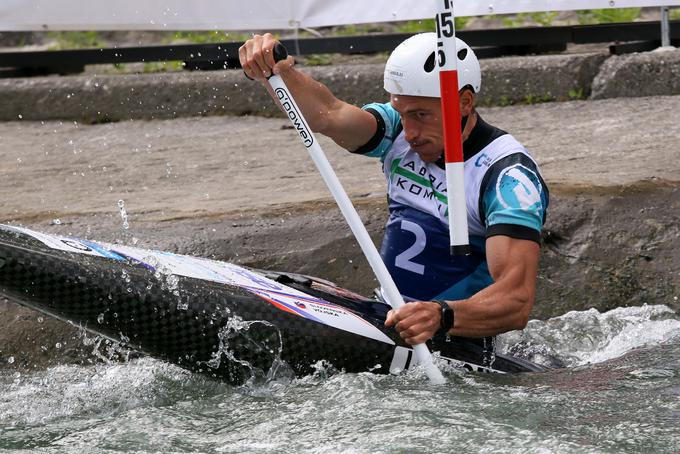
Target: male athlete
477 296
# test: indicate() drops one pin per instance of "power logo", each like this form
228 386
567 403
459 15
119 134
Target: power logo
298 121
519 187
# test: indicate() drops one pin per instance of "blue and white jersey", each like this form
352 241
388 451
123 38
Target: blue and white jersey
505 195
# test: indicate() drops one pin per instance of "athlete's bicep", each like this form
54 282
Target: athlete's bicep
513 265
350 126
513 260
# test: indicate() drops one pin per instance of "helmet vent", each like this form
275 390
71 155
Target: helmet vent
429 63
462 54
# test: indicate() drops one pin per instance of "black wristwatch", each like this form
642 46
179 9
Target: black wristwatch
447 317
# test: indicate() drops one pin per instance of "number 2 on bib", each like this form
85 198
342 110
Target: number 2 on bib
403 260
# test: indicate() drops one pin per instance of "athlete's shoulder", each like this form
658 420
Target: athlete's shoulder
389 128
514 197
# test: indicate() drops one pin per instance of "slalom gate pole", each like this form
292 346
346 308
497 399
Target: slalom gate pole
392 294
447 61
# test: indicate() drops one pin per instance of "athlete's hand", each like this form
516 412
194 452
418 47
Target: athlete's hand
257 57
415 322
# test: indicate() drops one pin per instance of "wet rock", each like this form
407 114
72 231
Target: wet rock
640 74
104 98
529 80
611 248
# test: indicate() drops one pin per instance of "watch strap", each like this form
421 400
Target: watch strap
447 317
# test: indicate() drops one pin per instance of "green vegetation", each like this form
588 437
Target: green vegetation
163 66
674 13
535 99
605 16
503 101
543 19
318 59
207 37
576 94
75 40
353 30
427 25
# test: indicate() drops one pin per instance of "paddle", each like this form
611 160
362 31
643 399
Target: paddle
453 142
392 295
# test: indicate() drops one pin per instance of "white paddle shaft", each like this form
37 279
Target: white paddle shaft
392 294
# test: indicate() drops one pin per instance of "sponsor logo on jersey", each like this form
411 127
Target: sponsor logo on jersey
519 187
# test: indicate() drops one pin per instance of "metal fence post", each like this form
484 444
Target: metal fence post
665 27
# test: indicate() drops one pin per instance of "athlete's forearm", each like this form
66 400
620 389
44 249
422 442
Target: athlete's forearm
492 311
506 304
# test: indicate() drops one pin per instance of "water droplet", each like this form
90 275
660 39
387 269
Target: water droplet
56 221
100 318
40 319
172 280
10 360
58 345
123 214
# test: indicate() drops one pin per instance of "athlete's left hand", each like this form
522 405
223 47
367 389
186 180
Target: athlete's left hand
415 322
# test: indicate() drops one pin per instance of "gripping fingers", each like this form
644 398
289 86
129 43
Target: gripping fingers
417 333
417 322
390 320
251 56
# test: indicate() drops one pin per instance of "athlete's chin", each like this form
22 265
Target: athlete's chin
428 154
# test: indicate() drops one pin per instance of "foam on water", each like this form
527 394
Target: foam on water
601 404
578 338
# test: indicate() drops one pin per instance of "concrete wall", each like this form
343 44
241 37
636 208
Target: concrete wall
510 80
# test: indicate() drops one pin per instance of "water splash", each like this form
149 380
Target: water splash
123 214
168 280
106 350
238 345
585 337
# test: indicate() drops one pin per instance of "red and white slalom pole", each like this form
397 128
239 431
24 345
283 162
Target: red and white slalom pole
447 62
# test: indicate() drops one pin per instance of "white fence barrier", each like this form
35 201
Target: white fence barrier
34 15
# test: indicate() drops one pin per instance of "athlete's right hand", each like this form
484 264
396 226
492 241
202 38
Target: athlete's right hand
257 57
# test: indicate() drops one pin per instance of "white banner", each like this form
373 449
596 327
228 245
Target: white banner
27 15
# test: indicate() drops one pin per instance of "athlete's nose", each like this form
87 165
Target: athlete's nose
411 133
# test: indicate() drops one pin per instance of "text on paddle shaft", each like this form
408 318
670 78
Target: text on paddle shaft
295 117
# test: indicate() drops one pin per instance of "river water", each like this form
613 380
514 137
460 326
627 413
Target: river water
620 392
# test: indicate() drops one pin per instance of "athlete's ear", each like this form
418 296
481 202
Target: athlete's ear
467 102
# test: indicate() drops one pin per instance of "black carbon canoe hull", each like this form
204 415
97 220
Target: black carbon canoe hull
229 322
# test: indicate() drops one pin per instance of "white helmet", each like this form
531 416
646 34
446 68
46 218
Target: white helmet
411 68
